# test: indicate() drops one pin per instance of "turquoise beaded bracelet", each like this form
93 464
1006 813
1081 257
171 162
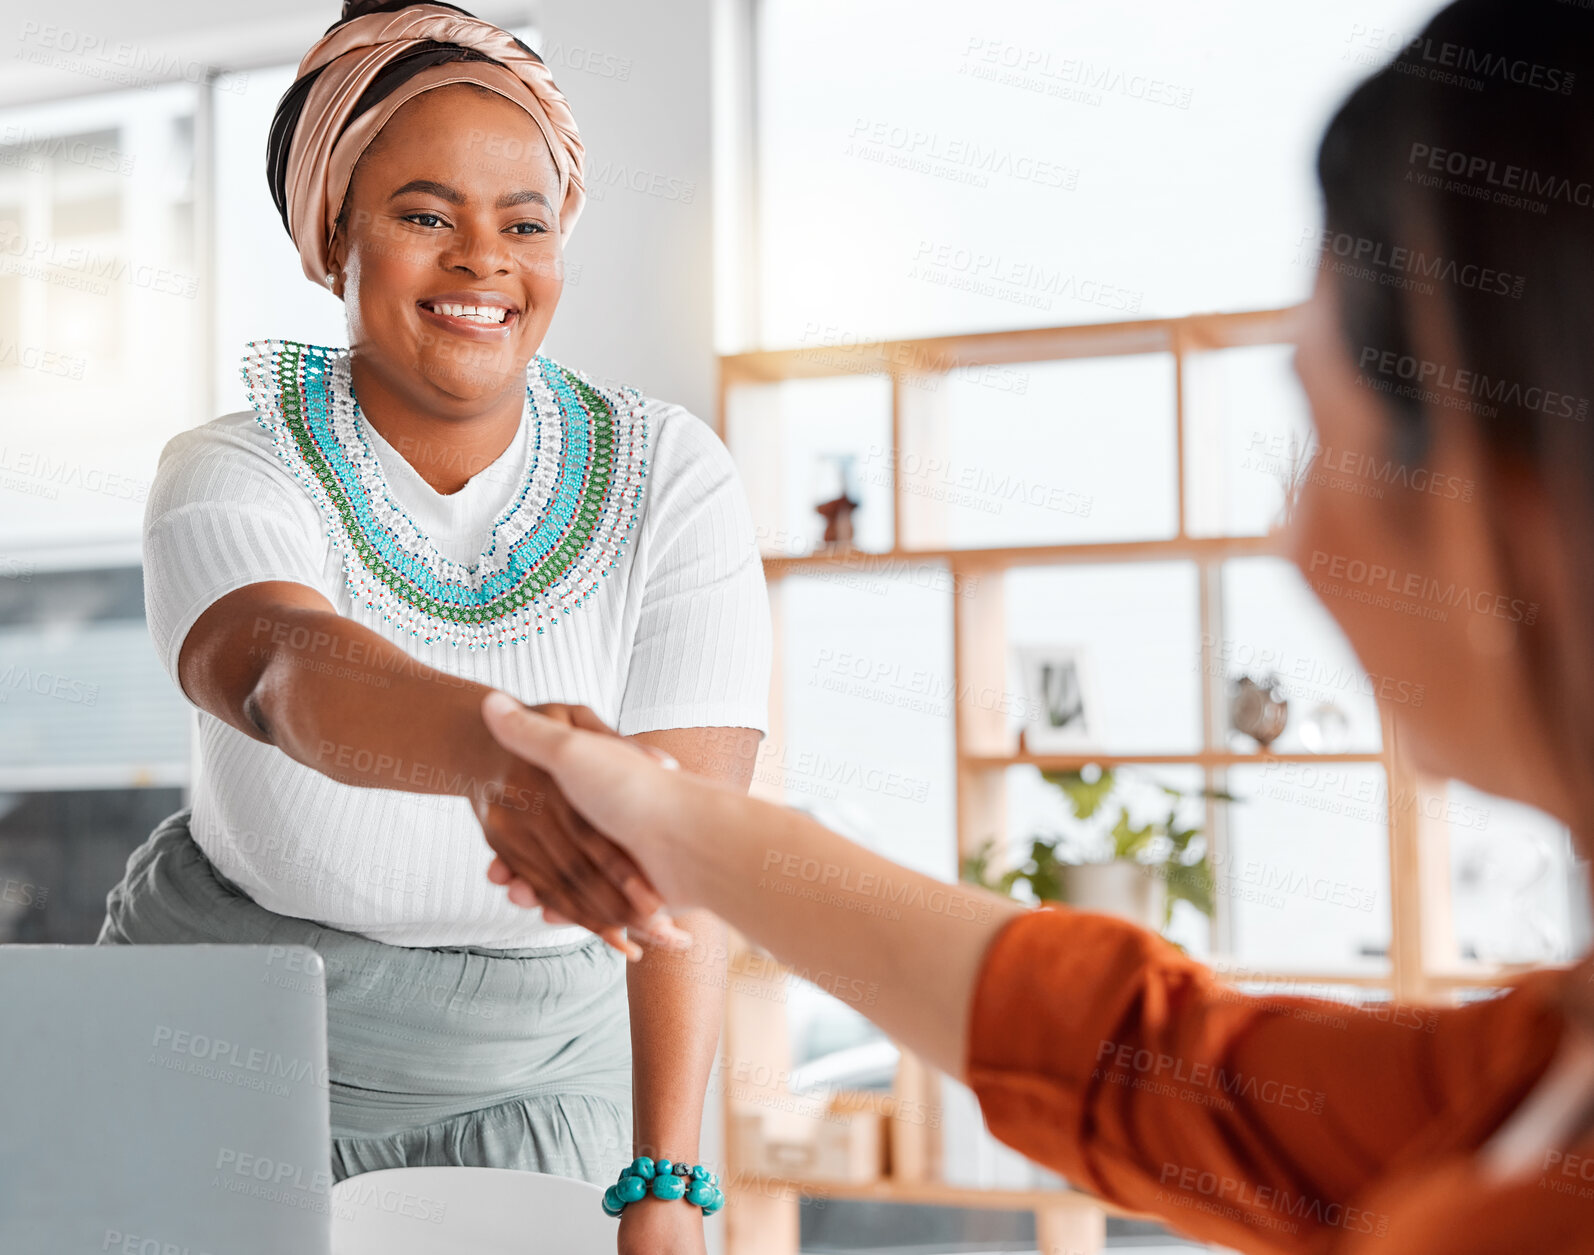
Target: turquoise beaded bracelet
665 1179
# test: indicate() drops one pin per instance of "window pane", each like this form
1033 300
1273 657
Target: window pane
1248 425
1274 623
1030 163
102 294
91 697
1138 627
1042 453
1305 872
800 443
867 693
83 700
1251 982
1516 889
833 1047
61 853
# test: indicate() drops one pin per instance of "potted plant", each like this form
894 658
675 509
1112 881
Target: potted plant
1109 862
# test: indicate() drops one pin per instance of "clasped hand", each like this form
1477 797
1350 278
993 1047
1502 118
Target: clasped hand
549 854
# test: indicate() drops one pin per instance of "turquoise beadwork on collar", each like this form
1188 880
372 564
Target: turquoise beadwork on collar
550 548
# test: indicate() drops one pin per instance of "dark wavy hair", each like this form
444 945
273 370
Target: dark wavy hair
1474 152
391 76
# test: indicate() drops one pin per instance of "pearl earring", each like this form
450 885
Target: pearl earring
330 278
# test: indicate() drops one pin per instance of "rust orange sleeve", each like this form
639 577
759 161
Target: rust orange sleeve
1102 1051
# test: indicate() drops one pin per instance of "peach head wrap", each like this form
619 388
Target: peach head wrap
311 157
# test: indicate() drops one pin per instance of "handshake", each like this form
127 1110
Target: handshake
582 827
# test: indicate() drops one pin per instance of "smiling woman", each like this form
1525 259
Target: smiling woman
450 281
337 575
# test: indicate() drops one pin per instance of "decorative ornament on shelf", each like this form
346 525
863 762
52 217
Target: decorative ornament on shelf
1259 709
838 497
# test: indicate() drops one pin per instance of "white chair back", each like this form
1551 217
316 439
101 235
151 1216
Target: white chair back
468 1211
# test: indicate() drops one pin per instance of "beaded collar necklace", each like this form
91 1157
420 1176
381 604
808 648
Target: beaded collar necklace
550 548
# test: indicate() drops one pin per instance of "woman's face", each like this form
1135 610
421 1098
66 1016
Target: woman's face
1407 560
455 203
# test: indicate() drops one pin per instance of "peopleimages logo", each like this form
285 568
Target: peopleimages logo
1487 64
1422 373
1415 263
73 149
1506 176
1423 588
930 152
47 684
1115 1059
1276 1199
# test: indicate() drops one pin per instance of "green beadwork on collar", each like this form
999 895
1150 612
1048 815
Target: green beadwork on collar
551 547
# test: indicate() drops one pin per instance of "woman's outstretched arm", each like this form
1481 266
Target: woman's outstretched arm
1094 1047
277 662
902 947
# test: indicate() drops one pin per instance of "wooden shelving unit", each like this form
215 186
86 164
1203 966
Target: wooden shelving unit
762 1217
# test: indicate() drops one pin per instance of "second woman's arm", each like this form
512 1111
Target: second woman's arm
900 946
1093 1046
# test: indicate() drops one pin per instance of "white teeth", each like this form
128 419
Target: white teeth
490 314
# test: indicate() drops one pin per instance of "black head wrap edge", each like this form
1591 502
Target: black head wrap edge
392 75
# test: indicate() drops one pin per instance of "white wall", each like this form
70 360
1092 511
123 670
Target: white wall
639 296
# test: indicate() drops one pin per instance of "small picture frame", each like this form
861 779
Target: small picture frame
1062 713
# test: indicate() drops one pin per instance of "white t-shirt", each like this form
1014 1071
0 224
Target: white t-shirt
606 558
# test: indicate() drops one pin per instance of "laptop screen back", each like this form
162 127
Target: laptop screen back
164 1099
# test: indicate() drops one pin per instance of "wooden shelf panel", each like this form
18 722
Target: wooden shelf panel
974 559
938 354
1195 758
1259 976
1481 976
1485 977
932 1193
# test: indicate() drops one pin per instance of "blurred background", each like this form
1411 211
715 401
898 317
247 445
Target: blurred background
1047 629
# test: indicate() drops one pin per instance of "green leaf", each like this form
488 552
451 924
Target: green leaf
1084 796
1047 875
1192 883
1181 837
1128 841
977 866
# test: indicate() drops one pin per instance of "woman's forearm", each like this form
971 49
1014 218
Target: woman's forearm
337 697
903 948
677 1006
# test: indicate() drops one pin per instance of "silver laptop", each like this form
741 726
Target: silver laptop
164 1099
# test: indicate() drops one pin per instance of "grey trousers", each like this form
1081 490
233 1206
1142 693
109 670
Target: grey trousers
438 1056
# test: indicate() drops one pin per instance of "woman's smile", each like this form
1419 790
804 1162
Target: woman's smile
481 316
